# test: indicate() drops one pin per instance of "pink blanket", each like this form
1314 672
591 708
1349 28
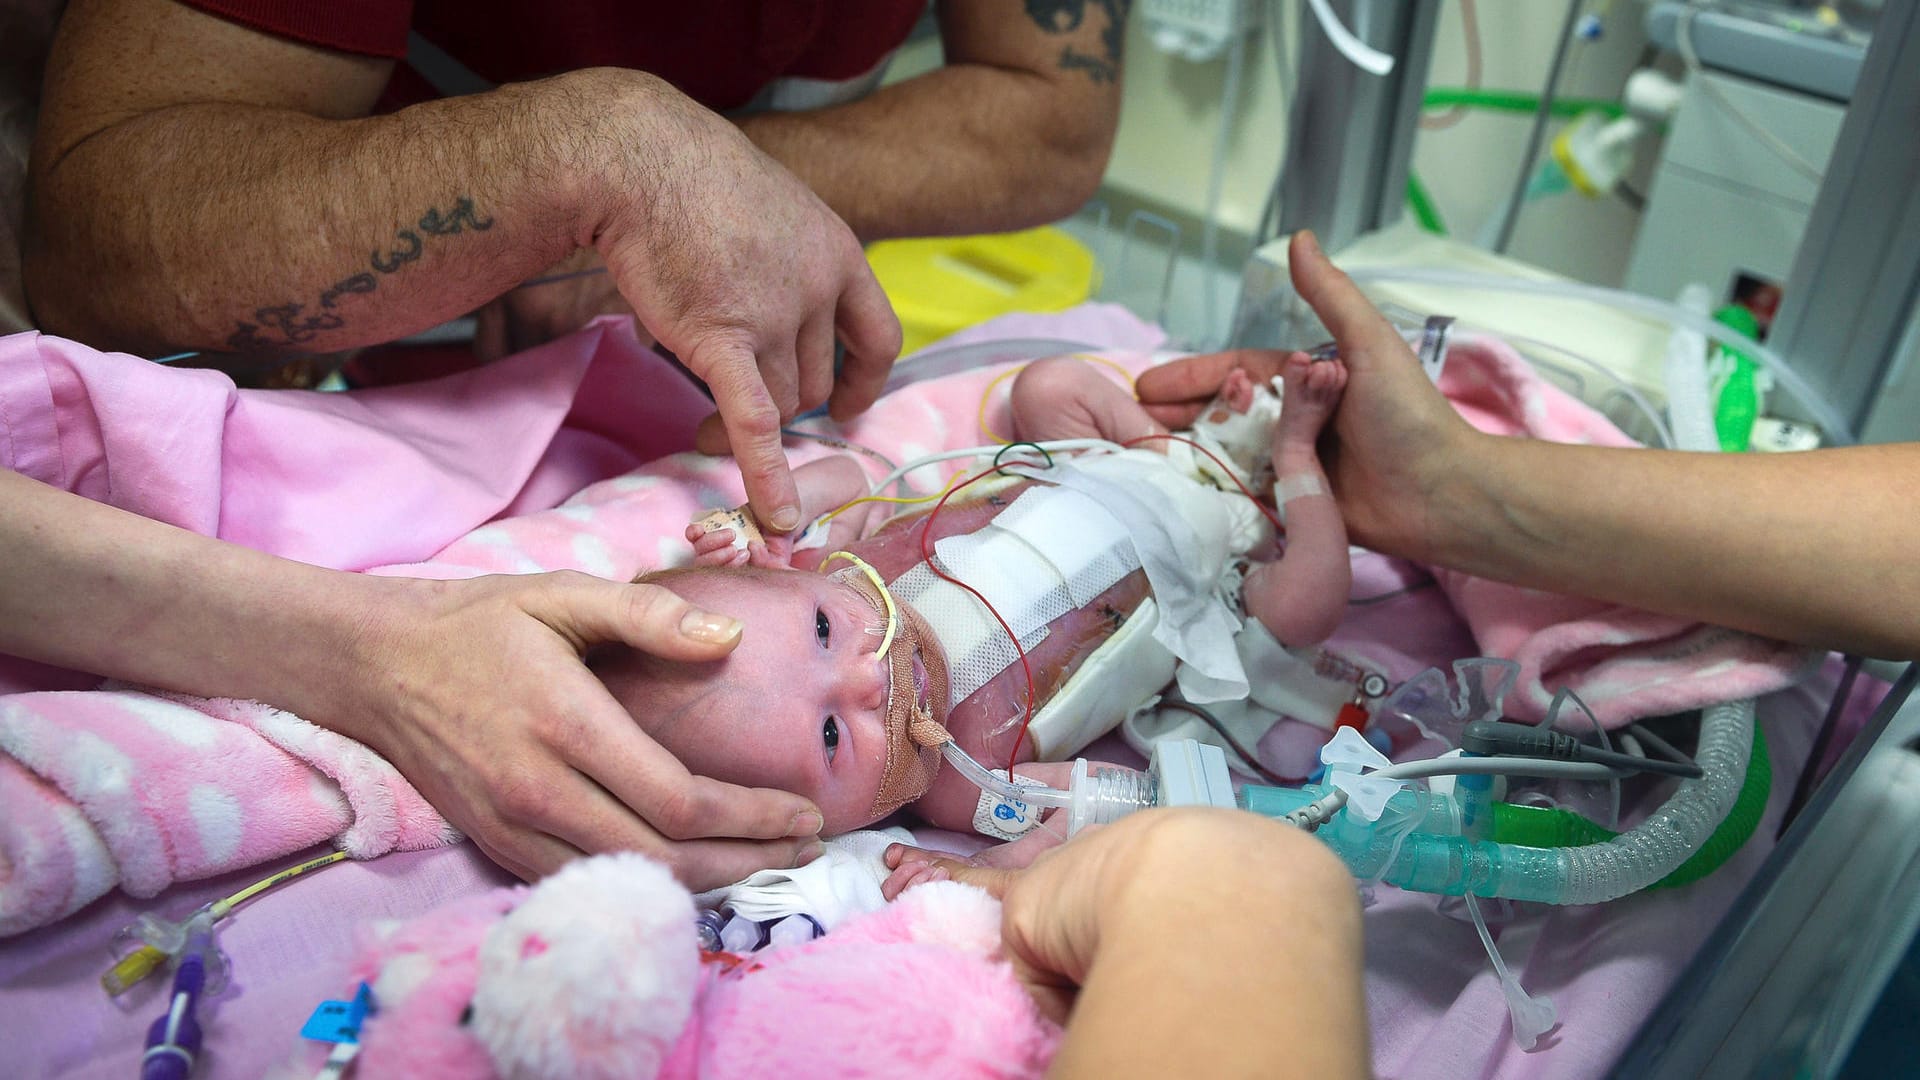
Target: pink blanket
1624 663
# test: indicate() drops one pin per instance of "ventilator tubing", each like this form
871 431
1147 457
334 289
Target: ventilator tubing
1418 844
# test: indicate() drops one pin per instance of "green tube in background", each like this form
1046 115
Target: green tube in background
1421 203
1517 101
1536 826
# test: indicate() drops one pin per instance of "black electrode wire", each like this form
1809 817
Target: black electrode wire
1212 721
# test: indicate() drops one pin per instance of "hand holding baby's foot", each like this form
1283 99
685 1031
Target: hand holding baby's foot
715 547
715 536
1312 393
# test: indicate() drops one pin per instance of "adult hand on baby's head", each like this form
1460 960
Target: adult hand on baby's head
1396 443
476 691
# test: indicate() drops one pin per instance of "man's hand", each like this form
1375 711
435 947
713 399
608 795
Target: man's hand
476 691
1395 442
749 279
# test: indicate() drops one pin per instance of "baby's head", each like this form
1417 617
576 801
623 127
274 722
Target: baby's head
804 703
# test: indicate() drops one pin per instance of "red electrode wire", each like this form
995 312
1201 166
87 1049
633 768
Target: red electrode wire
926 553
1244 490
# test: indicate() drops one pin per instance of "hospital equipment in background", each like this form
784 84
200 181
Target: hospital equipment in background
1846 324
1788 979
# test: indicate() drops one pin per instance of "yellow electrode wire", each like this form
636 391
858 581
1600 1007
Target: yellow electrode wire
896 500
146 959
986 396
886 595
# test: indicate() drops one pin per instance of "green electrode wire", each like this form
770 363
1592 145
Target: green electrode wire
1544 827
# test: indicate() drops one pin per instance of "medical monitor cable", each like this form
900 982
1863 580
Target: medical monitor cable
1246 756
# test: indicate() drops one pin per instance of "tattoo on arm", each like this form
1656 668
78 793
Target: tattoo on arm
285 328
1065 17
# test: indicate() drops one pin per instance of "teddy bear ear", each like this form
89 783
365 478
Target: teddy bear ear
593 975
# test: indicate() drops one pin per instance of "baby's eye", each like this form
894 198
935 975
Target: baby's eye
830 735
822 629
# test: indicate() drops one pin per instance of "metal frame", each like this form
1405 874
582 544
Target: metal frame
1856 278
1350 134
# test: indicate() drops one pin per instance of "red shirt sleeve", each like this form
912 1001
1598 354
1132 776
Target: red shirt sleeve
368 27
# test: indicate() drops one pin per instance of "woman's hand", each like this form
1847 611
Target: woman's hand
1159 876
476 691
1398 455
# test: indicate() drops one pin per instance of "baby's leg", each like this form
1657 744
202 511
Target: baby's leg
1065 398
1301 598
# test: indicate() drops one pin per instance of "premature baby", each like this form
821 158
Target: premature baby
807 704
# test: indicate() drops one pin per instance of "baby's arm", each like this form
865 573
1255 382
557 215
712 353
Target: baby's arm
824 484
1301 597
953 801
1065 398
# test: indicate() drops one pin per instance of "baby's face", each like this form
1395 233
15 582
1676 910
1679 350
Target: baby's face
799 705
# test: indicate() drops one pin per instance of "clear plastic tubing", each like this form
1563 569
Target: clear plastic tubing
1823 413
1436 858
986 780
1096 797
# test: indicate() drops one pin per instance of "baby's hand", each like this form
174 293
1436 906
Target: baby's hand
716 539
988 867
918 866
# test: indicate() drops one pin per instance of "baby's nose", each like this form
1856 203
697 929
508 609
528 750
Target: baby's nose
865 682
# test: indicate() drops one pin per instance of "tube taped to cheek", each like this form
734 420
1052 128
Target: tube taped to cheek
913 725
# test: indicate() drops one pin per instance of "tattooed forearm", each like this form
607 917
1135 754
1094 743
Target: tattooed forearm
1065 17
408 251
286 328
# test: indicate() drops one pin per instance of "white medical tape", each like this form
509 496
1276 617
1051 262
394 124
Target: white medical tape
734 518
1002 818
1297 487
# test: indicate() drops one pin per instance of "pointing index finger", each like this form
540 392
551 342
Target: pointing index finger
752 421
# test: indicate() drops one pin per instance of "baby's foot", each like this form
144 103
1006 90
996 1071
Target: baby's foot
1312 392
713 546
717 535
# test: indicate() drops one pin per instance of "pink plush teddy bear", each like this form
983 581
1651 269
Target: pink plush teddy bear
596 972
